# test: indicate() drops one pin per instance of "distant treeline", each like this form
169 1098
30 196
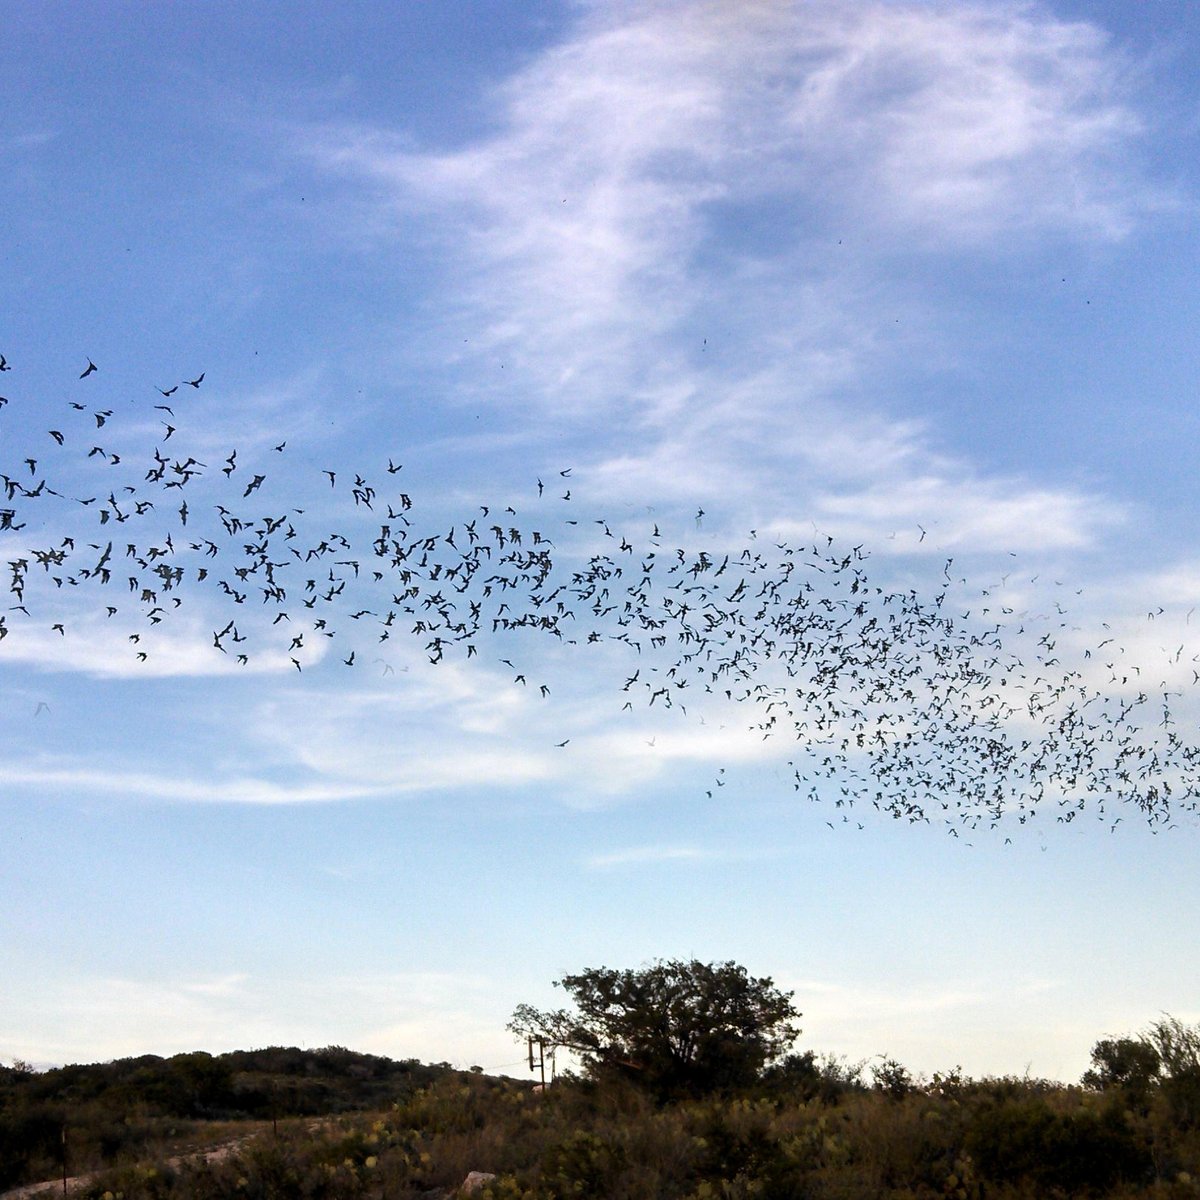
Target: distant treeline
334 1125
810 1130
131 1106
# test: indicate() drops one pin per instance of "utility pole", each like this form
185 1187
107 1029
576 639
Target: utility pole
541 1058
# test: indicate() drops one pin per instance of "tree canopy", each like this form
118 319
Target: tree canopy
672 1027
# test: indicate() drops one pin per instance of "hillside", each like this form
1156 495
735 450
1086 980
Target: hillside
139 1108
281 1123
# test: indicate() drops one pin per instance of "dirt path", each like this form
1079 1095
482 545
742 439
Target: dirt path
52 1187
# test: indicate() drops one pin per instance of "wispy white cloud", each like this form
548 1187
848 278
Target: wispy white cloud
915 1023
660 855
252 419
176 787
1139 632
33 139
969 121
441 727
648 856
428 1015
975 514
650 238
341 736
90 646
451 726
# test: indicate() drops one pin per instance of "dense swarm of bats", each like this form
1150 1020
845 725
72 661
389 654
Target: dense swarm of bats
893 698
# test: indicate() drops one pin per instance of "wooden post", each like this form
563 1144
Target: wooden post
541 1062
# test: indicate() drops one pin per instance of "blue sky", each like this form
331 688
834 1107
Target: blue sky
918 276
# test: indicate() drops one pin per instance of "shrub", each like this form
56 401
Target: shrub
892 1079
583 1164
1027 1140
673 1028
1130 1065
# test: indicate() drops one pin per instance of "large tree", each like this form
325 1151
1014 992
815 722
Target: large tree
673 1027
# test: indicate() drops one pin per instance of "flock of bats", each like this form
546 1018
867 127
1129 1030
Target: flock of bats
915 703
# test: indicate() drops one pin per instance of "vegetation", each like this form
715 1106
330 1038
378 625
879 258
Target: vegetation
805 1127
135 1107
673 1028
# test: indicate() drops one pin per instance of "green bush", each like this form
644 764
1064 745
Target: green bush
892 1079
1131 1065
807 1131
583 1164
1078 1150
